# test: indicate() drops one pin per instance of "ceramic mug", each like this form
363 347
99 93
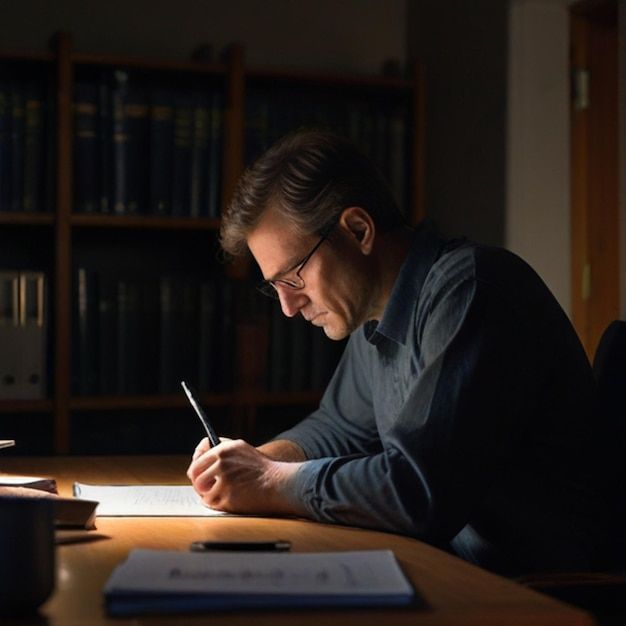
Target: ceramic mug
27 557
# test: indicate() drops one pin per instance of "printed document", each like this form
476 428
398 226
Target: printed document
145 500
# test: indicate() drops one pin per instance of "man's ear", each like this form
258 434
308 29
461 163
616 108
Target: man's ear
359 225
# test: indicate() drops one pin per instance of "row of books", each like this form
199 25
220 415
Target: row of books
146 147
26 146
143 334
377 124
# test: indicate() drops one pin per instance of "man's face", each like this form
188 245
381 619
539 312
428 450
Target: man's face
336 288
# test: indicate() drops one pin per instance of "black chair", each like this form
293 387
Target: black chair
603 593
609 366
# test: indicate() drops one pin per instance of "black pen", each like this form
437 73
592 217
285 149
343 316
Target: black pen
210 431
241 546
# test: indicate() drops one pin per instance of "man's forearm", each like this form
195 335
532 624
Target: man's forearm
283 450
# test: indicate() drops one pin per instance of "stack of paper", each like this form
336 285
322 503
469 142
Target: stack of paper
160 581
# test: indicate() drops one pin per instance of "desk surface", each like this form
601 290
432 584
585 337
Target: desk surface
456 592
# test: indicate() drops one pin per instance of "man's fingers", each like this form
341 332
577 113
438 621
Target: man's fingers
201 448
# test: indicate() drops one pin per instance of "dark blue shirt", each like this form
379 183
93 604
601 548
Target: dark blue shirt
463 417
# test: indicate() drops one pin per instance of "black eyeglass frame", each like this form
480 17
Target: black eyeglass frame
268 287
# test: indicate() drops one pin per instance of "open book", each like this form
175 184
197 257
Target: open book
163 581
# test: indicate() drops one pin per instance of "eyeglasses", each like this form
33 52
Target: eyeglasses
295 282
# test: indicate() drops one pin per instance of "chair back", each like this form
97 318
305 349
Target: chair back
609 366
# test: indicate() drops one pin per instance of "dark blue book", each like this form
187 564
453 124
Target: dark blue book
148 335
33 146
199 160
128 329
226 334
161 151
104 141
107 332
5 147
257 124
86 175
137 128
17 147
167 333
119 167
216 140
208 365
85 360
182 154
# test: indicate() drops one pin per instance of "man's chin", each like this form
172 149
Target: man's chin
334 333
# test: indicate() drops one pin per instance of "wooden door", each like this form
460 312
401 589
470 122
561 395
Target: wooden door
594 168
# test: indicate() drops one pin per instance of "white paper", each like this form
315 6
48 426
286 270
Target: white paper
333 574
145 500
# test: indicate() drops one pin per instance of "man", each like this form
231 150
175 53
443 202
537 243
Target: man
460 412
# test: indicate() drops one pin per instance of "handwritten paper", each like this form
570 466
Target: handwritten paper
171 581
145 500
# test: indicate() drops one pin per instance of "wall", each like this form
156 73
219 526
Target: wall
538 203
322 34
464 47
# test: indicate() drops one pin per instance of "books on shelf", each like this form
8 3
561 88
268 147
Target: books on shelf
22 335
378 125
144 146
168 581
143 333
25 145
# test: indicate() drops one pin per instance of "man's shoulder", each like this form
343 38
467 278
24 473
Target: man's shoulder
463 258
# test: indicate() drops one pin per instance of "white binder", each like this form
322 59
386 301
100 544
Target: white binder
22 335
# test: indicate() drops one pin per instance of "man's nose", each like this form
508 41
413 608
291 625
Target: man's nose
291 301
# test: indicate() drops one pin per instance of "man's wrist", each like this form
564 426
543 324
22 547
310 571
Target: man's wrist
282 478
283 450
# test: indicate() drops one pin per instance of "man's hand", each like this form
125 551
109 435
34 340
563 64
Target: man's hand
237 478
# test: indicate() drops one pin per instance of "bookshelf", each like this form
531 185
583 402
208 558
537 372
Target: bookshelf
68 241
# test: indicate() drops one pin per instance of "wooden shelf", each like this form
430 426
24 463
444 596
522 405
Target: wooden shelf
178 401
155 402
27 219
144 221
321 79
70 232
26 406
27 55
157 65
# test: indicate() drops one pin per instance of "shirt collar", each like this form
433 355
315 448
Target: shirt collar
426 245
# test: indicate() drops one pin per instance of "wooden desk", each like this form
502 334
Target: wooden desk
457 593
